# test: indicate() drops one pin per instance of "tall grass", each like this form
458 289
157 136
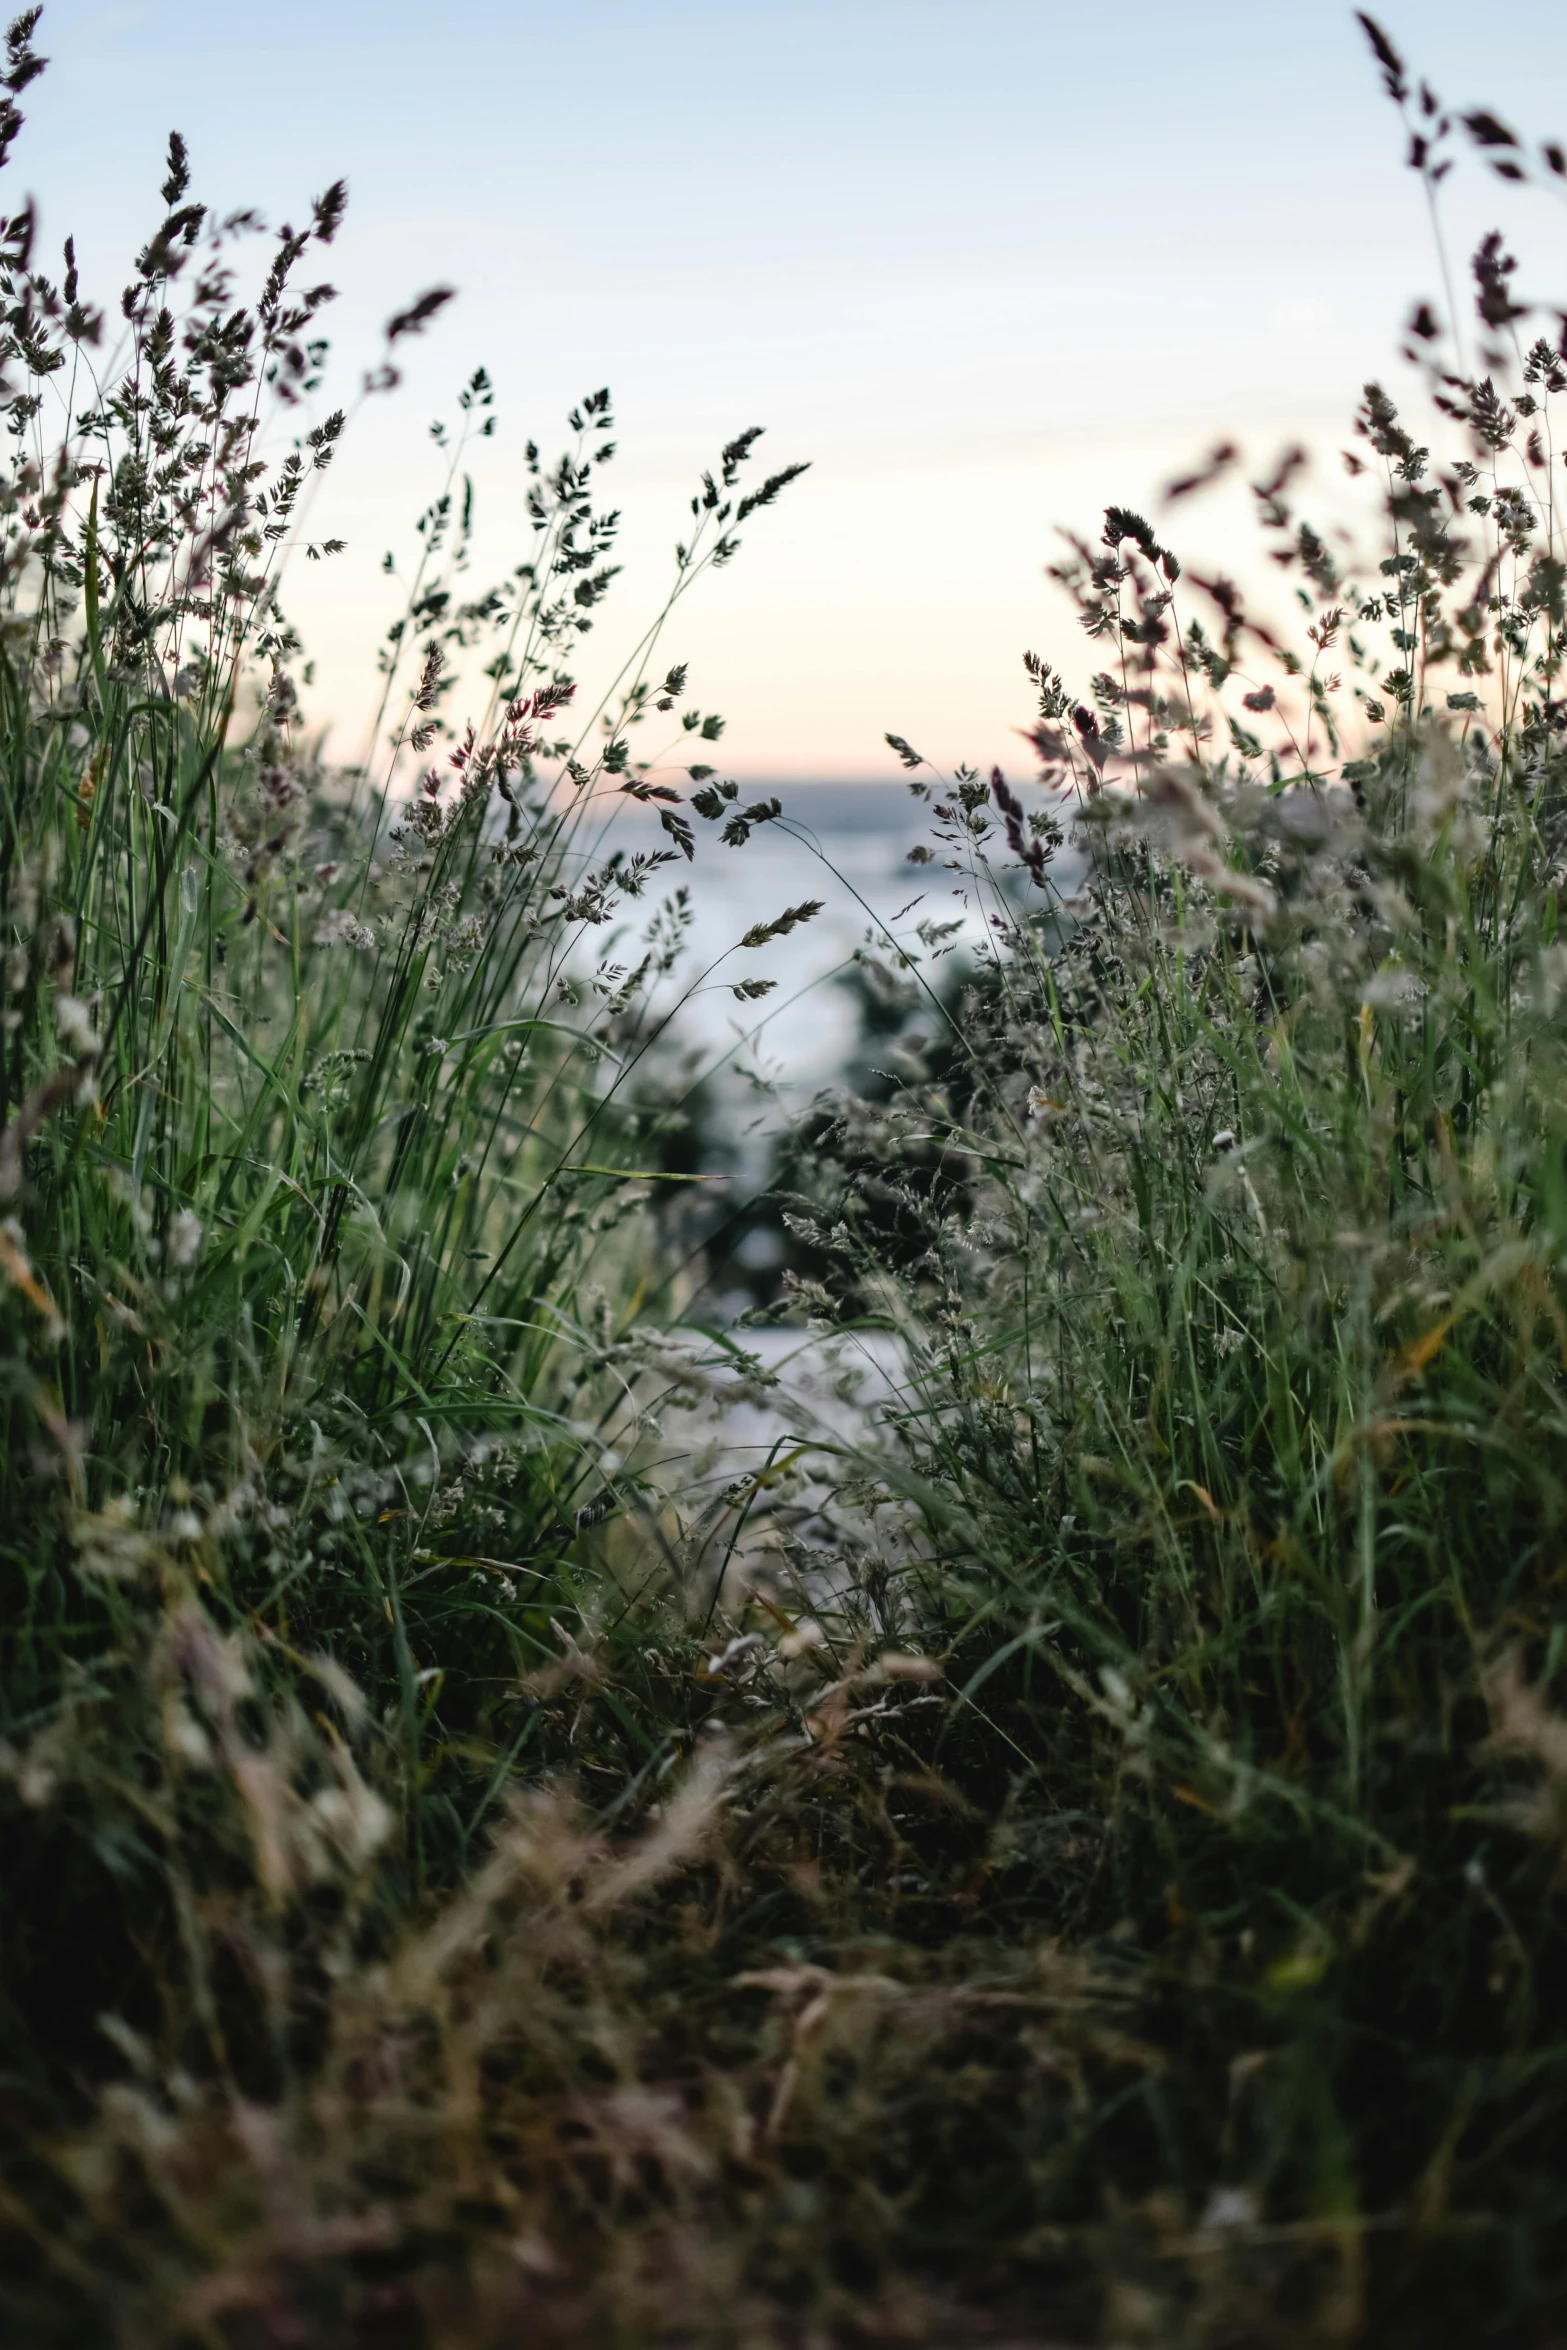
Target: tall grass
1084 1861
1224 1248
319 1152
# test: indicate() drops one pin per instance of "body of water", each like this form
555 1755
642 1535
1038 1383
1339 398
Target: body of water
845 847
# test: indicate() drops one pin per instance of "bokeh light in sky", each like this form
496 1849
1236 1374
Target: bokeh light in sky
987 263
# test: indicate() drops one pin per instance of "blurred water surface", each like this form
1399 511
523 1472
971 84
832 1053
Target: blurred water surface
844 846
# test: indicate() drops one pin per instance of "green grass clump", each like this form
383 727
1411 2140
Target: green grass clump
1083 1862
1225 1248
319 1167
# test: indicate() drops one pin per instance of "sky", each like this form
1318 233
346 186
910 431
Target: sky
987 265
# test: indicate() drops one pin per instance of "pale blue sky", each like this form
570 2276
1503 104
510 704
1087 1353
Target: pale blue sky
989 265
